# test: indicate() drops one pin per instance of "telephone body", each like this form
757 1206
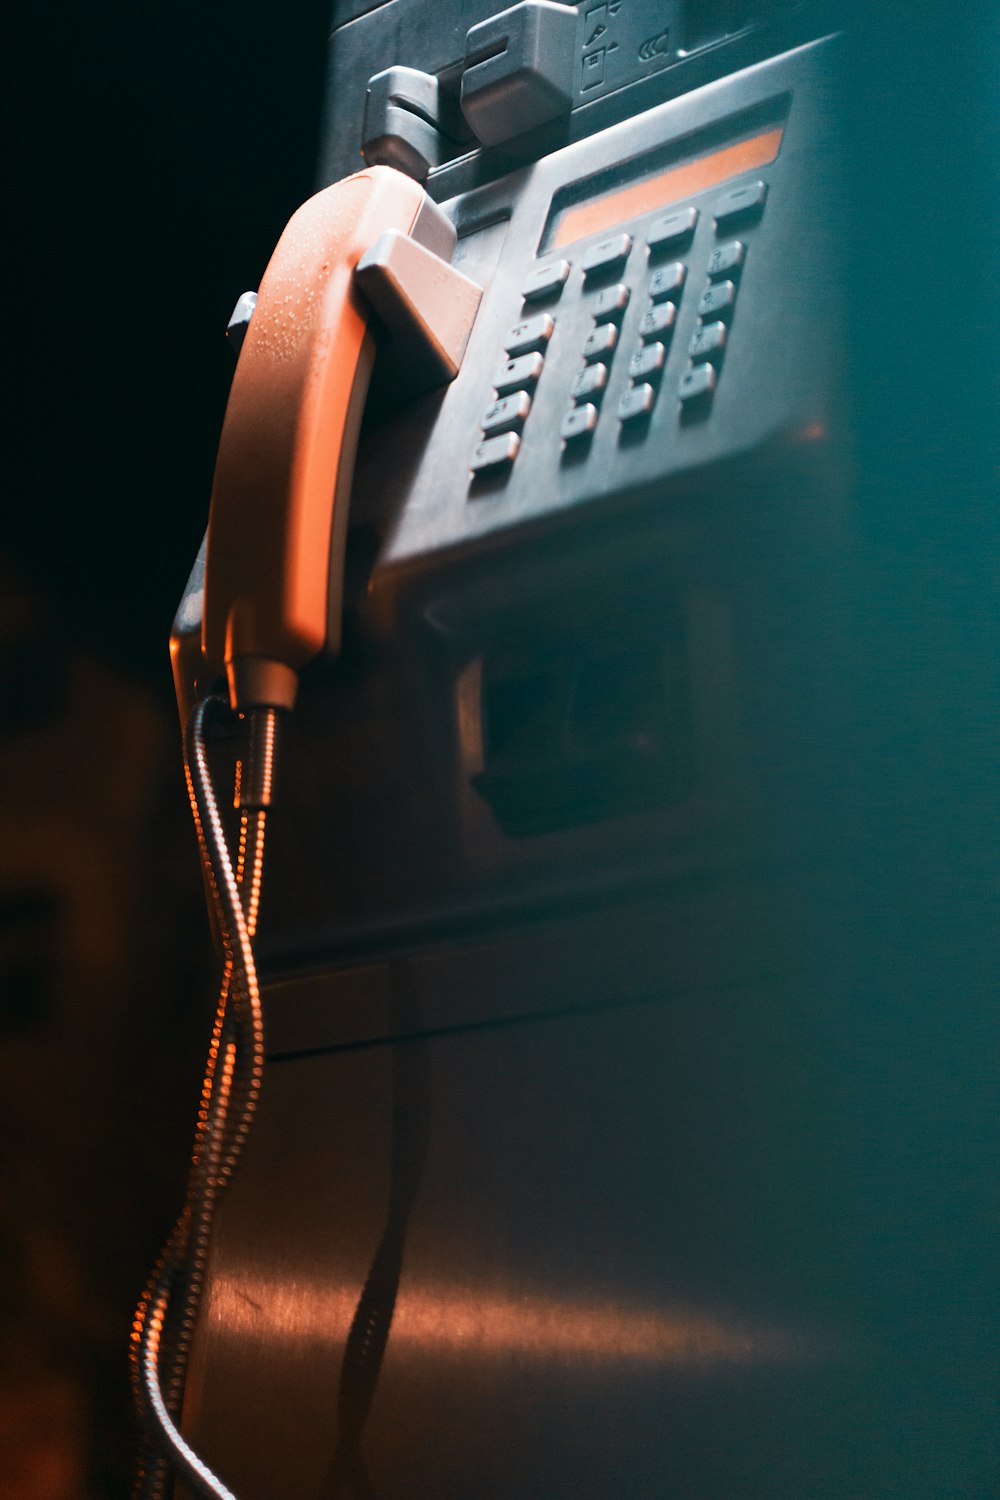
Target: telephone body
522 1213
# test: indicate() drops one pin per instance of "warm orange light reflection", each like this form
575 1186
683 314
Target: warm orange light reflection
665 188
532 1326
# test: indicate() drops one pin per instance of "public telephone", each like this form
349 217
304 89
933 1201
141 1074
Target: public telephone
657 337
563 631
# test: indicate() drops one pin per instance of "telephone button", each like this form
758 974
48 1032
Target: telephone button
517 373
533 333
717 300
507 414
726 258
740 202
647 361
494 451
606 254
590 381
668 281
601 340
670 228
708 341
697 382
546 281
637 402
610 302
579 422
657 320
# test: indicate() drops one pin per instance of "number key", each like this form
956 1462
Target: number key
601 341
696 383
657 320
638 402
708 341
590 381
610 302
532 334
717 300
509 413
494 452
647 361
726 258
668 281
579 422
515 374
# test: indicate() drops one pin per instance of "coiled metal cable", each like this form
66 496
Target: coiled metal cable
165 1320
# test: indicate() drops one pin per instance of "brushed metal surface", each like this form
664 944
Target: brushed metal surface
578 1254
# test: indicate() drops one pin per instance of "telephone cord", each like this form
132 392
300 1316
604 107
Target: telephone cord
164 1323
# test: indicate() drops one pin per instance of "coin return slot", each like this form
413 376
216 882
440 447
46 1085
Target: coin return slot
596 733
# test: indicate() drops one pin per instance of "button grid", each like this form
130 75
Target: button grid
527 342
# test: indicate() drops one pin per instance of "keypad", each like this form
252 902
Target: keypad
531 334
505 416
546 281
603 317
664 289
718 299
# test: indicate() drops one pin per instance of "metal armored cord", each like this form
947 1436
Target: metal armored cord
165 1321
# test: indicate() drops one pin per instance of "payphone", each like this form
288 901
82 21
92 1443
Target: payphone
528 1208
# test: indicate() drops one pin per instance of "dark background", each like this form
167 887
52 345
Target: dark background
157 153
156 156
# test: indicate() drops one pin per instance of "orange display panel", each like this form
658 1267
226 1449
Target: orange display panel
638 198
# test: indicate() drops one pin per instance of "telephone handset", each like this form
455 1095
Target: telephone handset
279 499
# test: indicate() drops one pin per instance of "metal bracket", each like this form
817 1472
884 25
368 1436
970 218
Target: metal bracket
410 122
428 308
